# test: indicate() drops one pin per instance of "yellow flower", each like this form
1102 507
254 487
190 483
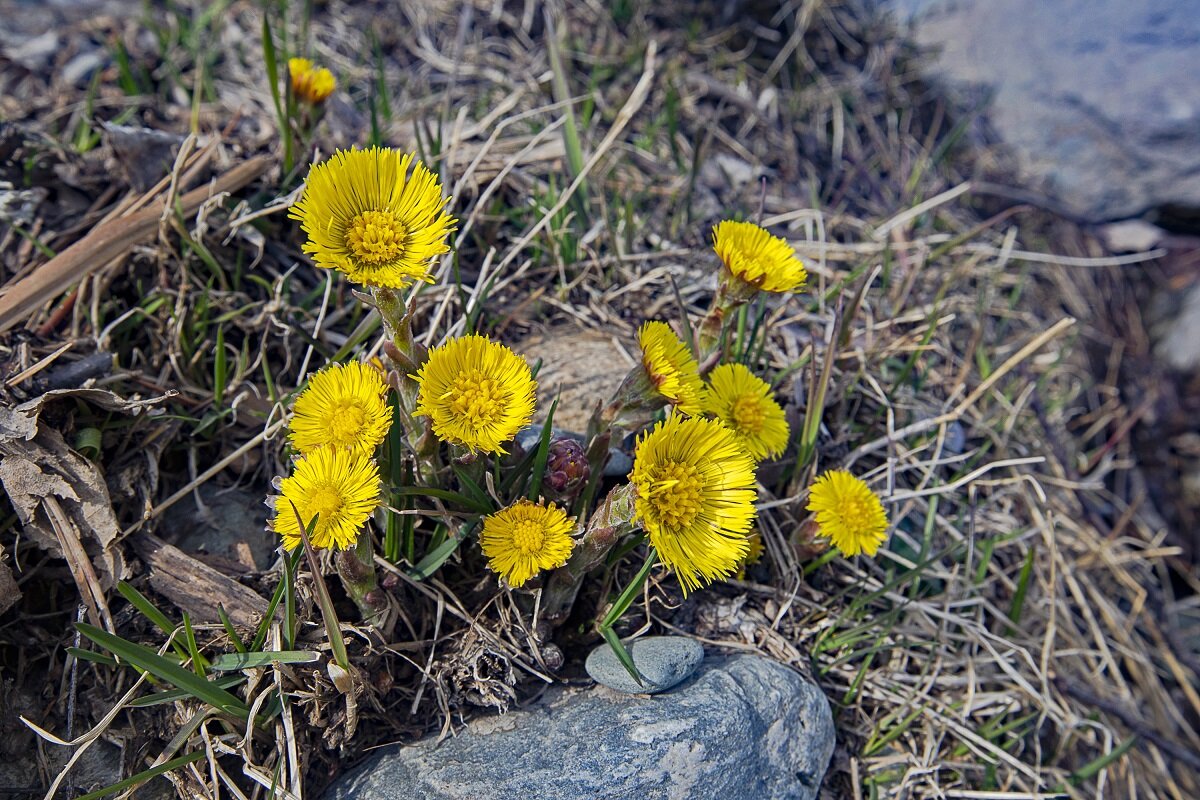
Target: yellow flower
848 512
344 405
758 259
670 367
526 538
477 393
695 497
742 401
376 215
339 487
310 83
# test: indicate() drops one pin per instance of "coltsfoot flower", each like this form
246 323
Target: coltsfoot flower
757 259
742 402
337 486
476 393
310 84
344 405
522 540
376 215
848 512
670 367
695 497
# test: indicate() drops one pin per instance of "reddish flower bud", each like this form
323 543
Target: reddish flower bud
566 468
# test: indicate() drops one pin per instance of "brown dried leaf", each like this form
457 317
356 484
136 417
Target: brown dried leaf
45 467
10 593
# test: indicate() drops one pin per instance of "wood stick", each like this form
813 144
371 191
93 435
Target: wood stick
105 242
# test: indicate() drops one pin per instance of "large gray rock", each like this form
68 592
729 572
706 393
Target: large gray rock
1099 99
745 728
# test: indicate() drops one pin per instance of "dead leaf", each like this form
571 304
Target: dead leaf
10 593
61 498
63 505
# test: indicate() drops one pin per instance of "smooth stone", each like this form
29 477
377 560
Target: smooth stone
747 728
663 661
1097 99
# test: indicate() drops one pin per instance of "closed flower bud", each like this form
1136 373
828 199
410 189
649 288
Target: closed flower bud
566 467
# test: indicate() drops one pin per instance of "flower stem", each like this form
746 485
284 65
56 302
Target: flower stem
356 568
607 527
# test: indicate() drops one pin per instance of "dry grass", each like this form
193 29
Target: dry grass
1029 632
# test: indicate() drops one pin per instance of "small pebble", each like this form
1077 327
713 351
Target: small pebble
663 661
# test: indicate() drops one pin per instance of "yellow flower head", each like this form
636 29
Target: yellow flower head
477 393
310 83
695 497
344 405
670 367
340 487
848 512
377 215
742 401
522 540
758 259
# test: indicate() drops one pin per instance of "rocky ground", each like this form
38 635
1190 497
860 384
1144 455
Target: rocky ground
1006 294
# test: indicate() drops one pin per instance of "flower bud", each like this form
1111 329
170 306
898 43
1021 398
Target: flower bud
566 468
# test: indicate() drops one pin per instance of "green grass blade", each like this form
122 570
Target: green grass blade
479 497
1090 770
618 648
233 661
146 659
289 564
171 695
94 657
148 609
189 637
469 503
227 623
543 454
145 775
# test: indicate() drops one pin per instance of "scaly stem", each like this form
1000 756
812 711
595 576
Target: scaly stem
608 525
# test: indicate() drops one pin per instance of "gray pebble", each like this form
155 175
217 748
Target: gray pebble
663 661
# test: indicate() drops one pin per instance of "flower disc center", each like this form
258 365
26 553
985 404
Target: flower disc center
325 501
528 536
676 494
748 414
376 237
854 514
478 400
345 424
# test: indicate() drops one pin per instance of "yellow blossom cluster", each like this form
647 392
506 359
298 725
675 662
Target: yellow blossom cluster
379 217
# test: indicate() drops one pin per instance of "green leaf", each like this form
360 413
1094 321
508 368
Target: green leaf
146 659
474 490
333 628
145 775
622 654
435 558
232 661
289 565
543 453
450 497
171 695
148 609
227 623
89 655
